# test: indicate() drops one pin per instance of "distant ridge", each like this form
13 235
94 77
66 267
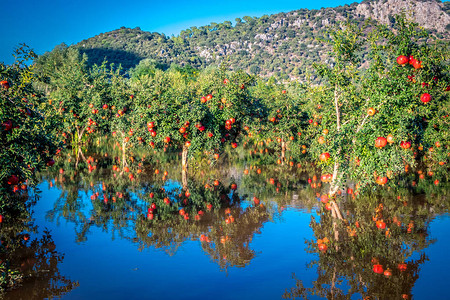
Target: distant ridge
282 45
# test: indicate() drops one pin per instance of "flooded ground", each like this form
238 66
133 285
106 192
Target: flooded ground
235 232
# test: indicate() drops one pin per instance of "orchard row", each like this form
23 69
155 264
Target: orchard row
364 125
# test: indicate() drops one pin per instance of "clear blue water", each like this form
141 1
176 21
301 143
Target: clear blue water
109 264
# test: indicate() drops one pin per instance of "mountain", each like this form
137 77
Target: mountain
284 45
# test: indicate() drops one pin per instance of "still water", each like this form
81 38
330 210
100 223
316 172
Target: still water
110 249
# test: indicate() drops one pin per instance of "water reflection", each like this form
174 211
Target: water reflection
152 211
39 274
375 252
28 258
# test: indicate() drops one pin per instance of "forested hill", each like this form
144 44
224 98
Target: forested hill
283 44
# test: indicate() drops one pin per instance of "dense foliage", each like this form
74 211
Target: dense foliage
27 140
27 145
383 121
369 122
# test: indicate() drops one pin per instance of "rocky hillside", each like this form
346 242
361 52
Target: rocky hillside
283 45
432 15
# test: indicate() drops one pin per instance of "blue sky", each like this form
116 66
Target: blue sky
46 23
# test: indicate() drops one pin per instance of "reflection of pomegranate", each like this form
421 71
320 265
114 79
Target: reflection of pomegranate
378 269
323 247
387 273
381 224
13 180
402 267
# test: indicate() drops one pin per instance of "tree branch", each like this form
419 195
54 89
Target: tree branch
336 105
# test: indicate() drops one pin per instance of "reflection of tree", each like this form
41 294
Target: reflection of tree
229 245
284 185
92 194
370 254
39 265
151 212
208 214
106 205
32 263
69 205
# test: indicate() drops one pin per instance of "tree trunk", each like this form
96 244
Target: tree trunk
79 154
78 158
283 152
334 186
124 145
76 139
336 181
184 167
